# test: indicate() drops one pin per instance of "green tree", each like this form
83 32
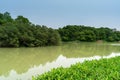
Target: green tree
22 20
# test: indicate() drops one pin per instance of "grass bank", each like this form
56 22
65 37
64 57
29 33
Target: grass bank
103 69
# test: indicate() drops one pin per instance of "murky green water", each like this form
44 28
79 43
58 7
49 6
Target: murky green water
22 63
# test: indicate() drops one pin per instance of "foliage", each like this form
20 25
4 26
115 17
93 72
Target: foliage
89 34
104 69
5 18
20 32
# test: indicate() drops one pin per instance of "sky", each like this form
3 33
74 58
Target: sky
59 13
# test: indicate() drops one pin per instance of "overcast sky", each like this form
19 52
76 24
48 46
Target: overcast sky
58 13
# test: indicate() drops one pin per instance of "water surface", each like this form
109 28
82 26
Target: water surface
22 63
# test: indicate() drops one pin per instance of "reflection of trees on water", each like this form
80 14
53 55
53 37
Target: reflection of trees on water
88 49
60 61
21 59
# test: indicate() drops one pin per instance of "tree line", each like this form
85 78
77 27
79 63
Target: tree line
20 32
88 34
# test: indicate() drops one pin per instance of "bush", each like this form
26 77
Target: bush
104 69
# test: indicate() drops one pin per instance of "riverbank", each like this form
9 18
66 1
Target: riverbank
103 69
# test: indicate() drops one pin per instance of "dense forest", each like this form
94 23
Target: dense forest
20 32
88 34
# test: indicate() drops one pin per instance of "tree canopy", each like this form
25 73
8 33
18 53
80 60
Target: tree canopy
87 33
20 32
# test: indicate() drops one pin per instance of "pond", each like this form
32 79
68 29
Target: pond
23 63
